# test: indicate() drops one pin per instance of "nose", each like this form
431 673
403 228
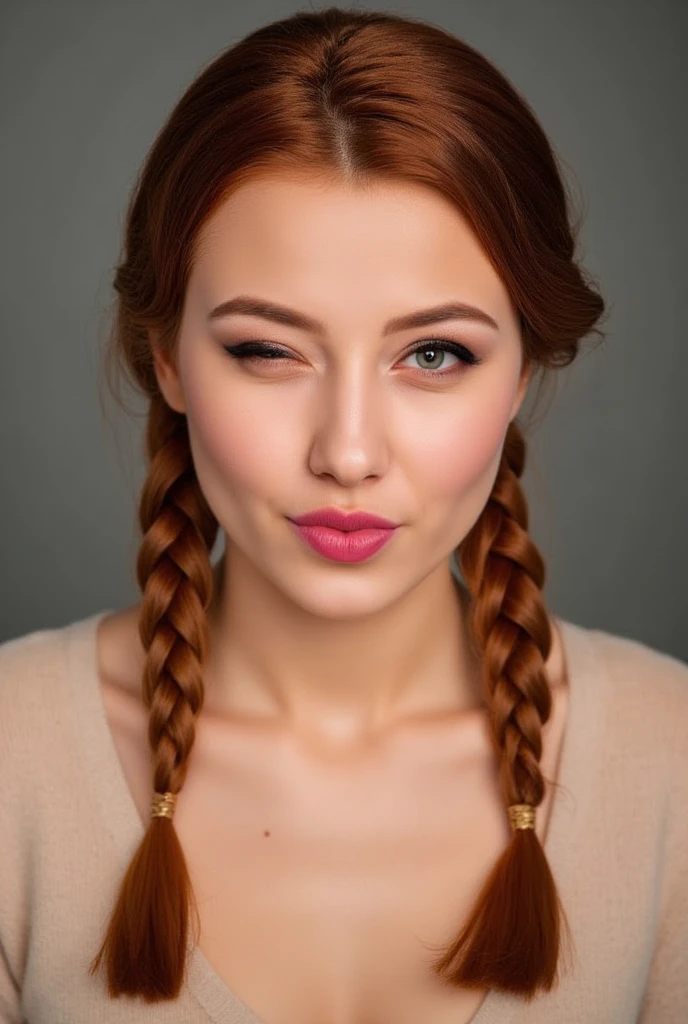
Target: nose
349 440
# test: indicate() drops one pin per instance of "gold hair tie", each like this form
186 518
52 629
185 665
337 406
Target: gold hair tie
522 816
163 805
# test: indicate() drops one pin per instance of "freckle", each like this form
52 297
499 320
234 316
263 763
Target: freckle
266 833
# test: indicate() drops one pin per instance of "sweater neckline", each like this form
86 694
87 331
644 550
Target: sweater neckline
120 817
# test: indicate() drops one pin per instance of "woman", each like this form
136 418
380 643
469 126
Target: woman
328 778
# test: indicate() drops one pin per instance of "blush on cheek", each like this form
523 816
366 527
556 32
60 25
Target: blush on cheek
240 451
461 453
222 418
227 447
457 465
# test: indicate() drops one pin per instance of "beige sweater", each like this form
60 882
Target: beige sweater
617 842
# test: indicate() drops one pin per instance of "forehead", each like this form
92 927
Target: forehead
315 239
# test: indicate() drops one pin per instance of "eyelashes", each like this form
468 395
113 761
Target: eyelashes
259 351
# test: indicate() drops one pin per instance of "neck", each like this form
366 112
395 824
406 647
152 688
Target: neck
340 679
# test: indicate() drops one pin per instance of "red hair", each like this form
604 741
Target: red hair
368 96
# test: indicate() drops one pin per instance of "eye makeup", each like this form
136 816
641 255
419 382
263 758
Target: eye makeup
259 351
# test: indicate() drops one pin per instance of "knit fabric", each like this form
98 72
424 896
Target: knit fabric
617 842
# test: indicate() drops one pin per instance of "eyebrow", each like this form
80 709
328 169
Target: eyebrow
248 305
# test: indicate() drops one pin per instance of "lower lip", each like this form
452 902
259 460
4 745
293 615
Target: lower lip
341 546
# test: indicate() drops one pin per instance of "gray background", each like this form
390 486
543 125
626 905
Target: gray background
85 86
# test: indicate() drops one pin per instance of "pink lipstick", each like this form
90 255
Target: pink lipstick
344 537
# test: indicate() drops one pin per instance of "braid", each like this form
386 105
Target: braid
512 938
146 941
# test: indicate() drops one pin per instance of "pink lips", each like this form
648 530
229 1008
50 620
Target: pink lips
344 537
336 519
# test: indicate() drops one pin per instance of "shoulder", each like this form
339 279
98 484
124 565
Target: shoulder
31 669
33 673
37 673
630 668
639 695
31 651
644 676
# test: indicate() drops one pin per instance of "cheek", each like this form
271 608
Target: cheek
456 454
240 447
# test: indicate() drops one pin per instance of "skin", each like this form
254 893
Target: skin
342 803
350 421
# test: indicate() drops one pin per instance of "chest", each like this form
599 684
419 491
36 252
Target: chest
325 890
323 893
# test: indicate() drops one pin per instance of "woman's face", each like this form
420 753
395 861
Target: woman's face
359 413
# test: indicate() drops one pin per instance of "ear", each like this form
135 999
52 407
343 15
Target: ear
522 390
167 375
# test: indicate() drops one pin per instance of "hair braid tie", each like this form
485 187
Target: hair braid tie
162 805
521 816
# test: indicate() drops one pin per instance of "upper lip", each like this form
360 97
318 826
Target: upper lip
339 520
